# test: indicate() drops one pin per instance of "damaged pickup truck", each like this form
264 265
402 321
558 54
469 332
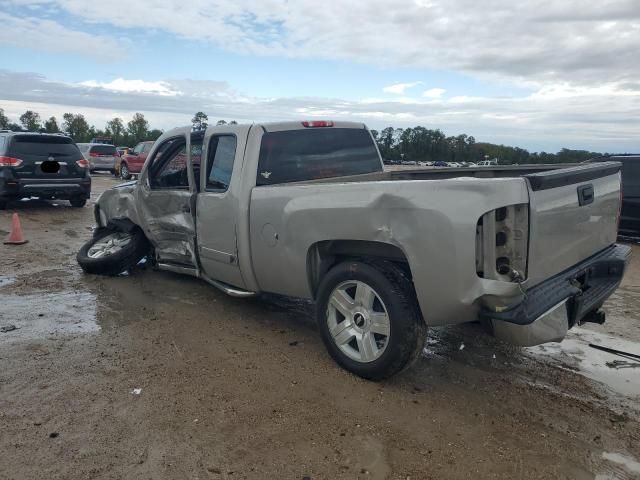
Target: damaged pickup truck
305 209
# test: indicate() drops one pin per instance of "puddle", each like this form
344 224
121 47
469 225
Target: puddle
6 281
42 315
619 373
620 467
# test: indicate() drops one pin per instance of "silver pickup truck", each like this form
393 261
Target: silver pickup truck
306 209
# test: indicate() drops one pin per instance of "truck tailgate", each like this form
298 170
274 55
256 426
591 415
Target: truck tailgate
573 215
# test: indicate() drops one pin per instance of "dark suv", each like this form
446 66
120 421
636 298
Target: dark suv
630 215
44 166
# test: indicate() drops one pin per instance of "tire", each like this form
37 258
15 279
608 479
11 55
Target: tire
124 172
393 294
3 204
123 258
78 202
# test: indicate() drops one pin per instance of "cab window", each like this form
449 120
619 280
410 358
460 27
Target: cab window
168 167
222 153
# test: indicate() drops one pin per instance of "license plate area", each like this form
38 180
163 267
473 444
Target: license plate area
50 166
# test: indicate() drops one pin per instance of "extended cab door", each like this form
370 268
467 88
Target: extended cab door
166 199
218 203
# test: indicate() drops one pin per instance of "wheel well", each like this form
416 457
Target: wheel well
123 224
322 256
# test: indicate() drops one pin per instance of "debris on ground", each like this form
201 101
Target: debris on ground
8 328
136 391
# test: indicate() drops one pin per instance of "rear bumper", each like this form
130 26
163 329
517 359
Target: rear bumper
60 188
98 164
555 305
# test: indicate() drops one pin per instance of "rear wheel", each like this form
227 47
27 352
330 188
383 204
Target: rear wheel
111 252
124 172
369 318
78 202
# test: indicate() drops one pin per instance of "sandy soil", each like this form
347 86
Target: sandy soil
234 389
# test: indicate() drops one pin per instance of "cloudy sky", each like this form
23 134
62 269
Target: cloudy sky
541 75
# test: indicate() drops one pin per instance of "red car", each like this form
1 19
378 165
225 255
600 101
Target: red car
131 163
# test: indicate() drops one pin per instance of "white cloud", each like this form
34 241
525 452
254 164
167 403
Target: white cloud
134 86
434 92
545 120
538 42
400 88
42 34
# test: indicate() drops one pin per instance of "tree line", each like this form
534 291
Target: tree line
418 144
76 126
421 144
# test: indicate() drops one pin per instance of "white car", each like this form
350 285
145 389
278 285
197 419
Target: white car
101 156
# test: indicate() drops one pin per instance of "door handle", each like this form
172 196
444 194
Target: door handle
585 195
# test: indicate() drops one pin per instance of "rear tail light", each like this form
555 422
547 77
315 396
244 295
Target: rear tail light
93 154
317 124
82 163
502 242
10 162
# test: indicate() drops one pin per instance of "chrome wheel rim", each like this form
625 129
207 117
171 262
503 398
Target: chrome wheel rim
358 321
124 171
112 243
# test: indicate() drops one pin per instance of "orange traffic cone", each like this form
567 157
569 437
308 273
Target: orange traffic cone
16 237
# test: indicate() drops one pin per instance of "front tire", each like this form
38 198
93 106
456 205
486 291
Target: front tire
111 252
369 318
124 172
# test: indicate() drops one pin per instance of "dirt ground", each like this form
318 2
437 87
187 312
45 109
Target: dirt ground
234 389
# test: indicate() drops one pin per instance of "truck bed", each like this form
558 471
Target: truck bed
442 173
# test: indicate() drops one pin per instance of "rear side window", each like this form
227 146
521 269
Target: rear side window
314 153
44 146
103 150
147 147
222 153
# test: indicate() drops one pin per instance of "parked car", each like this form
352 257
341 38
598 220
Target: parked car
101 157
488 163
44 166
440 163
305 209
630 217
131 163
102 140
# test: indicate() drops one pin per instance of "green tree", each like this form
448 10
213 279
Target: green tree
200 121
30 120
51 125
233 122
115 129
221 122
4 120
154 134
138 128
76 126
